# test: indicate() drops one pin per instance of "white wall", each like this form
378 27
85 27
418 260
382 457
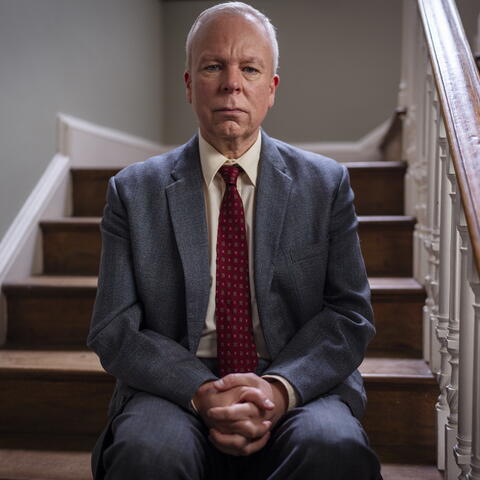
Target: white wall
339 67
97 60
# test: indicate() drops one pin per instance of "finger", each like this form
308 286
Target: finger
259 398
246 428
256 445
237 411
236 380
228 444
234 443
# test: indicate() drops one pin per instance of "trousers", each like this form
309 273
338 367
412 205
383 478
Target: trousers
154 439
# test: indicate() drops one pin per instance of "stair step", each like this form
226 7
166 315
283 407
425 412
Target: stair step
67 393
378 188
392 471
397 305
387 244
44 465
400 416
71 246
44 304
53 392
50 310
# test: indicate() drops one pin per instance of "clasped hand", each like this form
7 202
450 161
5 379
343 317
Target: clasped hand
240 410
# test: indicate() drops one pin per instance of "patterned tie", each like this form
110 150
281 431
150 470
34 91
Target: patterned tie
236 351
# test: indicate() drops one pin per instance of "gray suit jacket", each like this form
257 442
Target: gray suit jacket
312 291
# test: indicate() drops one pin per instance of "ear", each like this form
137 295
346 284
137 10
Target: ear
273 88
188 85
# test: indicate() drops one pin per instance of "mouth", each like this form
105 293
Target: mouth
229 110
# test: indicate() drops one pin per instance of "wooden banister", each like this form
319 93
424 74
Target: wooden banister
458 84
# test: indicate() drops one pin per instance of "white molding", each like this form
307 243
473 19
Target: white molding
20 248
90 145
364 150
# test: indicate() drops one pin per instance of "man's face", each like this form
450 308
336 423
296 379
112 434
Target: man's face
230 82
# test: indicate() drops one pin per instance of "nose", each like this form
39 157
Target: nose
231 81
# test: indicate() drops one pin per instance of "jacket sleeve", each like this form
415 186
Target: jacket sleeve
138 356
331 344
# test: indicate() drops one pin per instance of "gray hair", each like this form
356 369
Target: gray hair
235 8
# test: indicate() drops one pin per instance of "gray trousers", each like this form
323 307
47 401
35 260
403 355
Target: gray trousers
155 439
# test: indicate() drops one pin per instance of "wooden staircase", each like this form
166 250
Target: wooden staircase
55 393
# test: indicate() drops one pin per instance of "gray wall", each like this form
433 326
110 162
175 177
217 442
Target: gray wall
97 60
339 67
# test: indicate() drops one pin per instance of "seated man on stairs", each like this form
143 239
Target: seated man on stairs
233 306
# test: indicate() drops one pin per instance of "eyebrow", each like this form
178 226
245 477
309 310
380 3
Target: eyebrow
215 58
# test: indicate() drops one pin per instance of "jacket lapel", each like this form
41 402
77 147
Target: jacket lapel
273 191
187 211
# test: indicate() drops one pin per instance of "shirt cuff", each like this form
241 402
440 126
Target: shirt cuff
194 407
292 395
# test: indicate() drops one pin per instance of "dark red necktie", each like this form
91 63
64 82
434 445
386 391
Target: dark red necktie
236 351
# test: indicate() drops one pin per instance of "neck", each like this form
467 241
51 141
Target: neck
231 148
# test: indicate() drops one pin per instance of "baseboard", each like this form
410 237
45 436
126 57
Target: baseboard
90 145
364 150
20 248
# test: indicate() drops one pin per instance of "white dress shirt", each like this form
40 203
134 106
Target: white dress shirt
214 188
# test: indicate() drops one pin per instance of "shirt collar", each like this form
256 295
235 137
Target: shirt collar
211 160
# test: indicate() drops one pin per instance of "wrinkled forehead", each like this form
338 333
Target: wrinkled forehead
220 27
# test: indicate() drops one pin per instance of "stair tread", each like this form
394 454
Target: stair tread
52 281
44 465
384 219
395 367
86 361
96 220
387 284
68 361
89 281
395 471
386 165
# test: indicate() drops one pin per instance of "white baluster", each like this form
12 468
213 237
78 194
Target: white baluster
434 215
465 381
475 285
451 467
443 300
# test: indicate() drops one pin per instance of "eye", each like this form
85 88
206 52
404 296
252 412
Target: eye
212 67
250 70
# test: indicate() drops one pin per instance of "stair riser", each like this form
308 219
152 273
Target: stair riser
54 406
395 416
63 319
75 250
387 248
71 251
378 191
398 320
399 416
36 320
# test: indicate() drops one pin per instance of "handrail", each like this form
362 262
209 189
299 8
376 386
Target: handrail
458 84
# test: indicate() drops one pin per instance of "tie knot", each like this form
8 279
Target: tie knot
230 173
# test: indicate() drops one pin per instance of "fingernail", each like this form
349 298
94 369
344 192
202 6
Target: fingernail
268 403
219 383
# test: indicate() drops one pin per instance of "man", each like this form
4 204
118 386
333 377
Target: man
233 256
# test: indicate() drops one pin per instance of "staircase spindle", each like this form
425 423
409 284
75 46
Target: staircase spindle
443 298
474 280
452 470
462 449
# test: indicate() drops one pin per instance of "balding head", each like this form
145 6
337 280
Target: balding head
233 8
